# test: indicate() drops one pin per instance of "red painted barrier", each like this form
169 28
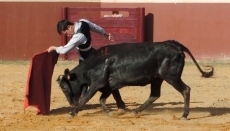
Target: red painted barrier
129 28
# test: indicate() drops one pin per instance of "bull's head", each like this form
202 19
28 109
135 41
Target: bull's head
69 87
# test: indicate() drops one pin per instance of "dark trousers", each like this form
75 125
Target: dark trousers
84 55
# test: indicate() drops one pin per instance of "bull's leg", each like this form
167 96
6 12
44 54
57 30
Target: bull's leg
116 95
171 70
103 98
186 94
89 94
154 95
100 83
180 86
83 91
120 103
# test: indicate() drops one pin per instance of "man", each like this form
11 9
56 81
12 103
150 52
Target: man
80 37
79 32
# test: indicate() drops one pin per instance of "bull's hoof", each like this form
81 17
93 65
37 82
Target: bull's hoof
136 114
184 118
71 115
111 113
106 111
121 111
117 113
133 113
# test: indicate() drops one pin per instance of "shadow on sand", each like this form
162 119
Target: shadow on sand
154 108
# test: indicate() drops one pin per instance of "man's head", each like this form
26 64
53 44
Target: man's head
65 27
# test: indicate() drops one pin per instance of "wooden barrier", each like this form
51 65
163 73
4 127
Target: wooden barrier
129 28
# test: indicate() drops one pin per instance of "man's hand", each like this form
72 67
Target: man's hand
109 37
51 48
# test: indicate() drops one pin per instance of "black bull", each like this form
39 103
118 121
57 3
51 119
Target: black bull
132 64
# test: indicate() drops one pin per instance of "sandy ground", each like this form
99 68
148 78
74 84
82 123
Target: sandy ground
209 106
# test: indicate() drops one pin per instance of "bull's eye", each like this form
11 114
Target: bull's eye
64 87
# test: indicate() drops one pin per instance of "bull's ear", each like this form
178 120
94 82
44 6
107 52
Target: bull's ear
72 77
66 72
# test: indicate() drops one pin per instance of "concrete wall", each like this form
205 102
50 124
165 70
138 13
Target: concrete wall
27 28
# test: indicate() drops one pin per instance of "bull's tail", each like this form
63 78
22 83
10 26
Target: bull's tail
204 74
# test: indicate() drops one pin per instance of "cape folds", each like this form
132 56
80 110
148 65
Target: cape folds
38 86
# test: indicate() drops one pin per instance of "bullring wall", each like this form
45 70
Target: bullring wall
30 27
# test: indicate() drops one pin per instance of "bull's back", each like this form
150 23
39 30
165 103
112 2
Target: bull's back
143 53
135 63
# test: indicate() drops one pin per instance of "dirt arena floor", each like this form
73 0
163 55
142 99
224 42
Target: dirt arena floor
209 105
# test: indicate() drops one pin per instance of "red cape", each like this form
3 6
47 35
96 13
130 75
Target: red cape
38 86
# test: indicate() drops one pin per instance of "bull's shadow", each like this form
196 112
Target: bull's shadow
154 108
64 110
213 111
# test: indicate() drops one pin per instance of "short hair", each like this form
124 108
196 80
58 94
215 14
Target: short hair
62 25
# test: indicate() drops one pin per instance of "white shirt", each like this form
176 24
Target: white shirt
79 38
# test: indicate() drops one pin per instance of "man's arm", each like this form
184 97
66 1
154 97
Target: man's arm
76 40
95 28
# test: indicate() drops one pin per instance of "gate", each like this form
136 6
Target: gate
129 28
